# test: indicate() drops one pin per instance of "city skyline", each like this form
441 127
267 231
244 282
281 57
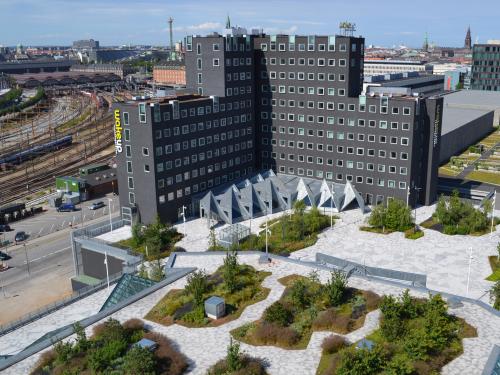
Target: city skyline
59 22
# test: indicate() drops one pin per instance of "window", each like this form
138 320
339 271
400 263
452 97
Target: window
216 62
142 112
125 118
145 151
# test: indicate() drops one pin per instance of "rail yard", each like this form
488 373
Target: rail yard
55 137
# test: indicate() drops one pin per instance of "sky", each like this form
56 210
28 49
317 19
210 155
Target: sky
117 22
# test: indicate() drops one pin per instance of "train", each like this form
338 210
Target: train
90 169
33 152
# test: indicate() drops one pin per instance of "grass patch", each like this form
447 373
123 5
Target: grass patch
289 233
131 244
483 176
376 230
73 122
178 306
416 336
432 223
413 234
495 267
111 350
448 171
304 307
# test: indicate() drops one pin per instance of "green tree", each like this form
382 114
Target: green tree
362 361
495 295
277 313
377 216
64 352
197 285
234 357
81 342
230 270
335 287
139 361
157 273
392 325
299 294
213 244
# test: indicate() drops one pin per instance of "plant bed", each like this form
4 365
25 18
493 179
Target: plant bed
111 350
376 230
454 216
185 308
495 268
396 217
307 306
416 336
238 363
289 233
413 233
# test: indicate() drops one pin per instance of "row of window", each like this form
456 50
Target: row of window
195 188
292 61
360 151
301 47
201 142
393 184
404 141
330 120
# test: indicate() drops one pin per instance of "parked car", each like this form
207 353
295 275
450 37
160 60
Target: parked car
96 205
20 236
4 256
5 228
66 207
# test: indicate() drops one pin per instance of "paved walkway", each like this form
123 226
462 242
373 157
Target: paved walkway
205 346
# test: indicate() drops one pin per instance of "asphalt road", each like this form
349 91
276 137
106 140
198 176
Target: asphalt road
51 221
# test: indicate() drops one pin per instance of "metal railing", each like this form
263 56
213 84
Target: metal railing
45 310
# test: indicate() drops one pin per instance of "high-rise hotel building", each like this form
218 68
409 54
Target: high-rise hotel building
294 104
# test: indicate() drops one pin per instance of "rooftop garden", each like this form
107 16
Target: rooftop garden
154 242
456 216
112 349
289 233
237 363
306 306
239 286
395 217
416 336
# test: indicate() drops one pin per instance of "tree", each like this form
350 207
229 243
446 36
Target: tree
299 295
277 313
157 272
213 244
196 286
495 295
81 343
335 287
139 361
230 271
377 216
234 357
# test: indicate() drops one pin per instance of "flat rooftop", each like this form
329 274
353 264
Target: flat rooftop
462 107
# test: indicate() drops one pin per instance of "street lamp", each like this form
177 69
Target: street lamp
267 234
184 219
27 260
331 208
107 269
110 202
417 189
468 272
493 212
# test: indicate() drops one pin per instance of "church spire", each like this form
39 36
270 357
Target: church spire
228 22
468 39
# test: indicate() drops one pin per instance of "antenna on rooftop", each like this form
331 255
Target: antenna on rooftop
347 28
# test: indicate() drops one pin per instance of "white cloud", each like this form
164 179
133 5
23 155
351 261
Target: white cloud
297 22
206 26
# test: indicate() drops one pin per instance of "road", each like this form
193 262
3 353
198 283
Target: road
46 278
51 221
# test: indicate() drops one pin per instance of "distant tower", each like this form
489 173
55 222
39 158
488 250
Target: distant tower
468 40
425 47
170 22
228 22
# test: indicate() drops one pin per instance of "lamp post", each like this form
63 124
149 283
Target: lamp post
331 208
110 202
408 196
107 269
184 219
267 234
493 212
468 272
27 260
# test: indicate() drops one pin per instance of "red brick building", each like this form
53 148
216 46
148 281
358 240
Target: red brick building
171 73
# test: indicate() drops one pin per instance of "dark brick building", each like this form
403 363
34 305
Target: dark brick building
291 103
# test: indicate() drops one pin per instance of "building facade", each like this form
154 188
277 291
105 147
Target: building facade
376 67
293 104
171 73
486 67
